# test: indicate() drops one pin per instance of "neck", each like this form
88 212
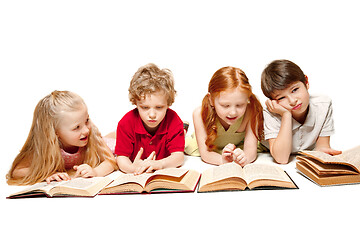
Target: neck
301 119
70 149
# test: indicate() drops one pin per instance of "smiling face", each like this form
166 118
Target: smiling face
294 98
230 105
152 110
73 129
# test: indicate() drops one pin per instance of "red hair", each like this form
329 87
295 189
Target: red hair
227 78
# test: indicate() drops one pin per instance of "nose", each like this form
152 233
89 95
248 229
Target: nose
152 114
232 111
292 101
85 130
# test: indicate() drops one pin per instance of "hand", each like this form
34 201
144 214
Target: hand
227 153
328 150
84 170
240 157
59 176
140 165
275 107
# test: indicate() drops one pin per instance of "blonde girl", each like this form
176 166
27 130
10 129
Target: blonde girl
62 138
229 123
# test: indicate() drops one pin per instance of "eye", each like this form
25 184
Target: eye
144 107
76 128
295 89
240 105
159 107
280 98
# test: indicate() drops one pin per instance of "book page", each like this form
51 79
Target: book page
131 178
352 157
262 171
221 172
81 183
173 172
38 187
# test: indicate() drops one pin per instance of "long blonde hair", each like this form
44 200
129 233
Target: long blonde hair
42 147
223 79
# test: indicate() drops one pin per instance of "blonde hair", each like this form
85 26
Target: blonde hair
149 79
42 147
224 79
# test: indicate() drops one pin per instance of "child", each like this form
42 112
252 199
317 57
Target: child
229 123
294 120
61 138
151 136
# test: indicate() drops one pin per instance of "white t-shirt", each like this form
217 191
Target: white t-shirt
318 123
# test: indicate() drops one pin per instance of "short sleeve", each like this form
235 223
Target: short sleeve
328 127
176 137
272 125
124 138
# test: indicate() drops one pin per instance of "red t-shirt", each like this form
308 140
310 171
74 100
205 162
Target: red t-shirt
131 135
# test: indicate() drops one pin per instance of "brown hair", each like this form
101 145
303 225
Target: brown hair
224 79
149 79
278 75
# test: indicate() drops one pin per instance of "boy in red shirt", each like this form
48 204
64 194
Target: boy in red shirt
151 136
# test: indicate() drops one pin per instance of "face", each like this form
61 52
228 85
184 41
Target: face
74 128
294 98
152 110
230 106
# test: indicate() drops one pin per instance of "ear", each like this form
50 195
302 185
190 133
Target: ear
307 82
210 100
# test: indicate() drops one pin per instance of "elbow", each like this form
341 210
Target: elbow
281 160
180 160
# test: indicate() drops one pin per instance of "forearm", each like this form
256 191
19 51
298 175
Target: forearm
280 148
125 165
211 157
105 168
176 159
251 154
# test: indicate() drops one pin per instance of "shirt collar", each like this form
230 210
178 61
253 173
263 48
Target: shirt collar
309 121
140 129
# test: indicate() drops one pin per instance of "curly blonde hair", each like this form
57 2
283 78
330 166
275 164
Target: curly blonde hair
42 147
149 79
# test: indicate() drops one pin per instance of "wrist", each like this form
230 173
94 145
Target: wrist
286 114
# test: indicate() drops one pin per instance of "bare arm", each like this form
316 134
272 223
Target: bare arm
104 169
323 145
250 145
200 133
125 164
280 147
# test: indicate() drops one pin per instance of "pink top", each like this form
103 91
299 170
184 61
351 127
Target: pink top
72 159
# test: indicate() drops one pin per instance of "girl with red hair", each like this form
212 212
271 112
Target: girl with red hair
229 124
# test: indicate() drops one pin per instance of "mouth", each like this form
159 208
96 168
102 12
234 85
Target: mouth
152 121
231 118
84 138
297 107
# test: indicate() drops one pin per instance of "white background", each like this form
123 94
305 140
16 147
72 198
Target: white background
94 47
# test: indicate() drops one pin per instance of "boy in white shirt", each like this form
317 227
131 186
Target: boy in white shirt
294 120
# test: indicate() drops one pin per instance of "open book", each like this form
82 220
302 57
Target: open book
80 187
325 169
164 180
232 176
